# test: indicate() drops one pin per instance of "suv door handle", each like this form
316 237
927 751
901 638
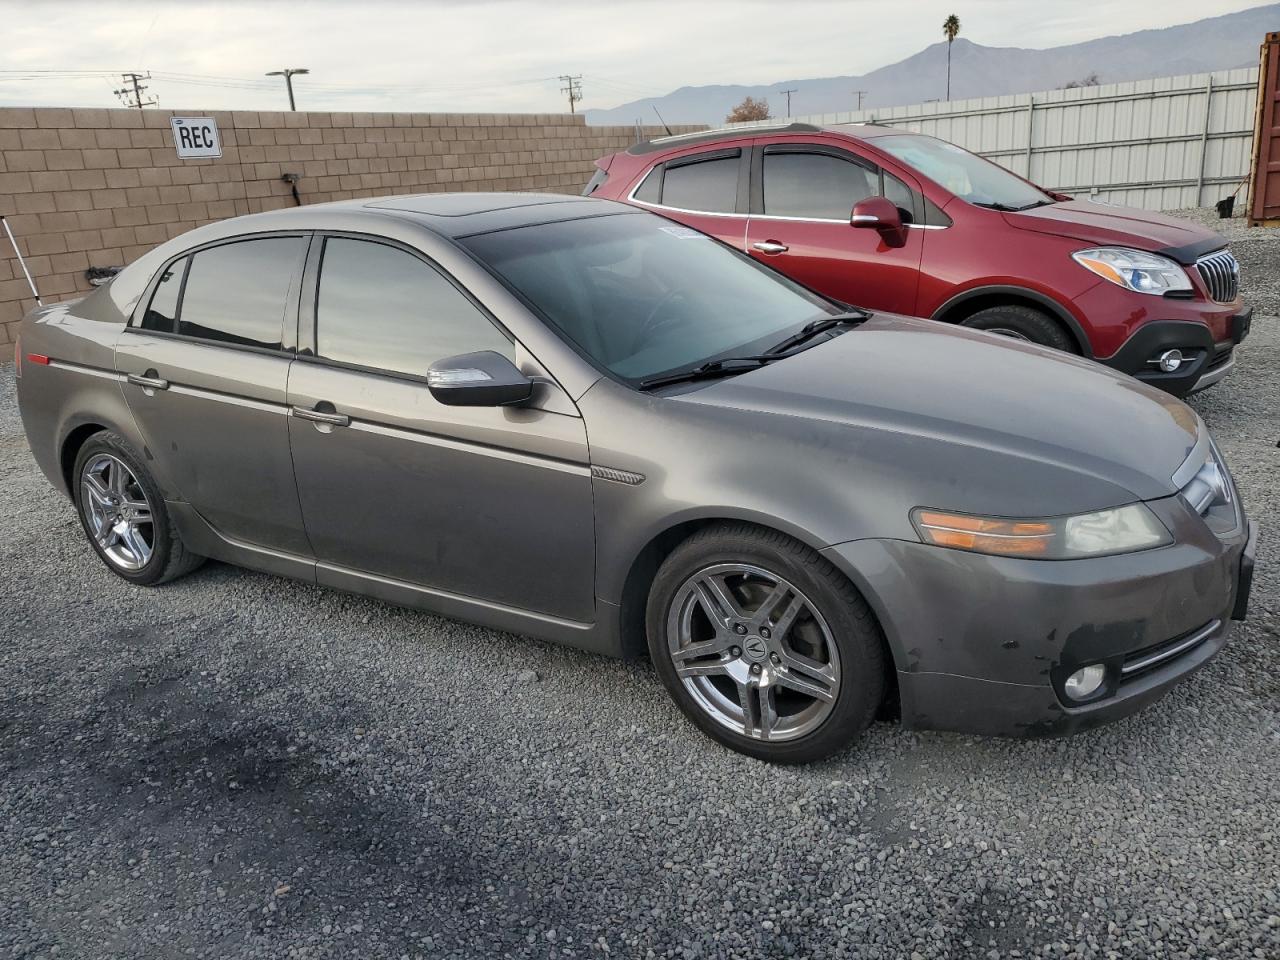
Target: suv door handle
320 416
148 383
770 246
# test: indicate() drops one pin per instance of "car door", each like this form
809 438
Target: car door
802 195
491 503
206 361
706 190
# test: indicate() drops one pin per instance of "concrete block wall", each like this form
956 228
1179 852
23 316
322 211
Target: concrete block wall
88 187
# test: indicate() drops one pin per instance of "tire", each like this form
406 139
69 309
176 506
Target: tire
108 500
832 645
1023 323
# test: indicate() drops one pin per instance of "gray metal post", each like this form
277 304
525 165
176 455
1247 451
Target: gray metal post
1204 138
22 263
1031 128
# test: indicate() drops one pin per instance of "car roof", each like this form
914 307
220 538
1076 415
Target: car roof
450 215
855 130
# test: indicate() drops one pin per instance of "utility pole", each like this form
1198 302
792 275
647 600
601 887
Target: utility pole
288 73
860 94
573 87
787 94
131 92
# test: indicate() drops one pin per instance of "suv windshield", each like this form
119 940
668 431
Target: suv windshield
965 174
642 296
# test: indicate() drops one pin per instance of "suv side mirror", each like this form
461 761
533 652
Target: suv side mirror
483 379
879 214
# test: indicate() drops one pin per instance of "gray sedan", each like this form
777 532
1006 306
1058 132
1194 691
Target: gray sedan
576 420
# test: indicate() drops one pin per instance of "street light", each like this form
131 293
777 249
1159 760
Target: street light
288 75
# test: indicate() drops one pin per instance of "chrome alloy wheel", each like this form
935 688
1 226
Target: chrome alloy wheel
753 652
117 512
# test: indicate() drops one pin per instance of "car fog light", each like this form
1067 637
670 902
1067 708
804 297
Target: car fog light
1170 360
1085 682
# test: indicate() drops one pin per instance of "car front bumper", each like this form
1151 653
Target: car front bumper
1206 362
982 644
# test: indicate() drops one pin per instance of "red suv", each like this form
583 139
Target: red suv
904 223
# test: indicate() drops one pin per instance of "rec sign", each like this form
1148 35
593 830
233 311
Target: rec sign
195 137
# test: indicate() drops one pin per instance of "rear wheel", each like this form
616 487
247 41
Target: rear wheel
124 515
764 644
1022 323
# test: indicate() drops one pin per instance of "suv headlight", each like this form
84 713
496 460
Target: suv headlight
1120 530
1134 270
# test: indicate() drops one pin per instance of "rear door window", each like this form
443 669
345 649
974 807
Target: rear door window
381 307
709 186
236 293
814 185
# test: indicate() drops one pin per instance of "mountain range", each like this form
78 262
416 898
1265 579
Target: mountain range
1216 43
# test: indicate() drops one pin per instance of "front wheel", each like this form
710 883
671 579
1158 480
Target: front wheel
764 644
1022 323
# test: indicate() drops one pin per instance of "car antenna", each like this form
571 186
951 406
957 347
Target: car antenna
660 120
21 262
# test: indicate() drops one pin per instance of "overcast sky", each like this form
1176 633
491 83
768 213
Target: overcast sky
504 55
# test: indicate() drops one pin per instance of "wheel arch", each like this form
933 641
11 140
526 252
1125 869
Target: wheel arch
70 447
965 304
645 562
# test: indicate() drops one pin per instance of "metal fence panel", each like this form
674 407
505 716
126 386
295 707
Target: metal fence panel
1162 144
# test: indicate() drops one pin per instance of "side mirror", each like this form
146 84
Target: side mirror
877 213
483 379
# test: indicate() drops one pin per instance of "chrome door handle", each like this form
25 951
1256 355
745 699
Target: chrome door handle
320 416
770 246
148 383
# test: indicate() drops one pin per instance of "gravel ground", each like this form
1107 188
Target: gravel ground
239 765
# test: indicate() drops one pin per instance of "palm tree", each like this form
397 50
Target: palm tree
950 27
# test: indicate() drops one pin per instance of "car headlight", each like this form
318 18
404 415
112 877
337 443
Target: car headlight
1119 530
1134 269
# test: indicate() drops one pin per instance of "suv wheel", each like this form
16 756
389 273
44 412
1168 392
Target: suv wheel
124 515
764 644
1022 323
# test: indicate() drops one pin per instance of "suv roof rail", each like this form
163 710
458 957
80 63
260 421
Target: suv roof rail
719 133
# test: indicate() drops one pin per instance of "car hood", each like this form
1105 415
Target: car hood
979 408
1102 223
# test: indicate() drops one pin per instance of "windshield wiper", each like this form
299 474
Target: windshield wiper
1038 203
821 325
710 370
1002 207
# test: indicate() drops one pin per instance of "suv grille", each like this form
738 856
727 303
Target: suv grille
1221 274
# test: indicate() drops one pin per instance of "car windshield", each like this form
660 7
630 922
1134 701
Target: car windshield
642 296
965 174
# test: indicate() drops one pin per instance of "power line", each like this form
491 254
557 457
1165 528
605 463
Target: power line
131 93
573 87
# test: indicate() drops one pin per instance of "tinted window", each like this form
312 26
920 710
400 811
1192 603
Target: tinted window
651 190
163 310
710 185
236 293
381 307
815 185
643 296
